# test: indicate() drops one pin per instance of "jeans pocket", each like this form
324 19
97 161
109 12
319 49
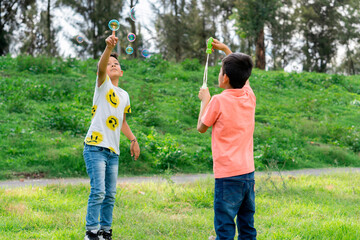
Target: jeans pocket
233 192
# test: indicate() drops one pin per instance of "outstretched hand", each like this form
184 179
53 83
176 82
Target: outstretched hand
111 41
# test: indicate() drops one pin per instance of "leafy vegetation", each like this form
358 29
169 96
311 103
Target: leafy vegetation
323 207
303 120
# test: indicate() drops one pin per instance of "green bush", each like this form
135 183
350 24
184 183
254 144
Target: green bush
41 64
191 65
67 117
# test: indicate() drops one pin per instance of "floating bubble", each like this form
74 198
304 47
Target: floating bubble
132 14
114 25
79 39
145 53
129 50
131 37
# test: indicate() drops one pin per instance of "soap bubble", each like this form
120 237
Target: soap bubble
79 39
114 25
145 53
131 37
129 50
132 14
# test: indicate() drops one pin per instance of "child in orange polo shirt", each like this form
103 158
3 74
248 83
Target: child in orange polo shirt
232 117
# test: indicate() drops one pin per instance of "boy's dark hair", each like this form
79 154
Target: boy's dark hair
237 66
114 55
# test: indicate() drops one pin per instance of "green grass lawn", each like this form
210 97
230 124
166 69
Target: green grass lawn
304 207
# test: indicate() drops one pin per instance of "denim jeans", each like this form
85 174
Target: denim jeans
235 197
102 168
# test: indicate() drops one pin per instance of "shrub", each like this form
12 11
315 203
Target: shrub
191 64
41 64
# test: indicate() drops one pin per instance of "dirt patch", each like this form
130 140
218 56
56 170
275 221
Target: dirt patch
35 175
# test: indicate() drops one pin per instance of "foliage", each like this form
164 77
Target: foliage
251 17
302 120
94 23
191 65
12 14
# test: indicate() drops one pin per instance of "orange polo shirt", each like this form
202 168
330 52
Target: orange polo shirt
232 116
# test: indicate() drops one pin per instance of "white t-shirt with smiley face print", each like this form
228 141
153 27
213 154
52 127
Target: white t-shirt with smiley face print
109 105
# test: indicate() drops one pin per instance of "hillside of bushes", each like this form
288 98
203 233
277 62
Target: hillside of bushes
303 120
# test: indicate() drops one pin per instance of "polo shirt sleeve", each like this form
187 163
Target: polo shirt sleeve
212 112
128 107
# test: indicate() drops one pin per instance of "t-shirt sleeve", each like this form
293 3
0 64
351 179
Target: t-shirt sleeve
212 112
128 107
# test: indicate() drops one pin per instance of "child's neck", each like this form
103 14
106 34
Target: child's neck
115 82
228 86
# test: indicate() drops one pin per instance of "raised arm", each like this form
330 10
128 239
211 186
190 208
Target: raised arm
220 46
111 42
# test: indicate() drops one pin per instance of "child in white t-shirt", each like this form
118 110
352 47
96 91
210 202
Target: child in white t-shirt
101 151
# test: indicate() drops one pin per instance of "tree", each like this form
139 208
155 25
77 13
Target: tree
282 29
96 15
350 37
133 29
183 29
39 35
318 22
251 17
170 30
9 21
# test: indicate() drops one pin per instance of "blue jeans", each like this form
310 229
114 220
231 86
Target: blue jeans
102 168
235 196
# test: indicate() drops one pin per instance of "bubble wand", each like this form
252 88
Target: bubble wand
208 51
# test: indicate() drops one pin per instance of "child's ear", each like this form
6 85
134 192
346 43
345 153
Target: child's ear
226 79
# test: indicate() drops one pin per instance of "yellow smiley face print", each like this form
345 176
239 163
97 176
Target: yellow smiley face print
94 139
112 122
111 149
127 109
112 98
93 110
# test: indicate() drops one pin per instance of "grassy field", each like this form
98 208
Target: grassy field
303 120
304 207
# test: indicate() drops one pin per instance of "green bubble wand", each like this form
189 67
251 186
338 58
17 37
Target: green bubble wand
208 51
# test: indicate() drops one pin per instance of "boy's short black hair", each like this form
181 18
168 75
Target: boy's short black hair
237 66
114 55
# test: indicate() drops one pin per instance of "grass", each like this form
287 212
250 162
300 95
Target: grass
304 207
303 120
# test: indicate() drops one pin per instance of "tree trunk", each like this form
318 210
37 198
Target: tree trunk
48 25
260 51
133 30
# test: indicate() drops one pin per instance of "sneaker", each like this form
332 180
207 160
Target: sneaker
105 235
90 235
